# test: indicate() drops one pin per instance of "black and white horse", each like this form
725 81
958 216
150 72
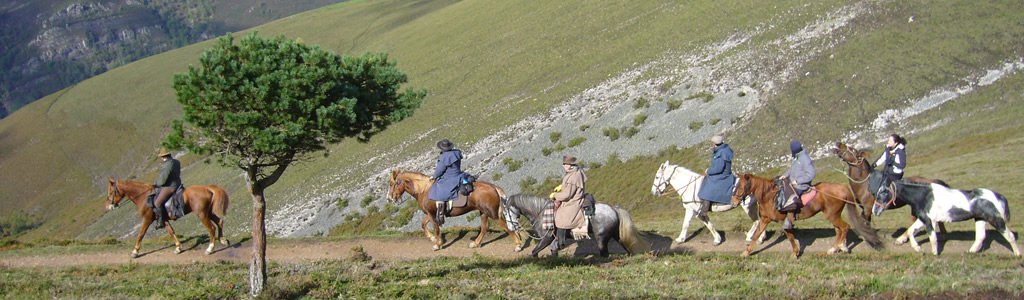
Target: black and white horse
933 203
608 223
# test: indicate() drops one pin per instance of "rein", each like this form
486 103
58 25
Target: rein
671 188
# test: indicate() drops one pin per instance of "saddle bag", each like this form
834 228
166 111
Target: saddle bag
589 205
466 184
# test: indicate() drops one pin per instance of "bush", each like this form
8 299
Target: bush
576 141
555 136
705 96
629 132
611 132
366 200
512 164
742 94
404 215
715 121
639 120
584 127
342 203
497 176
546 151
593 165
526 183
18 224
640 103
673 104
695 125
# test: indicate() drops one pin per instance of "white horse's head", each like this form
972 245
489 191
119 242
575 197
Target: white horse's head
661 179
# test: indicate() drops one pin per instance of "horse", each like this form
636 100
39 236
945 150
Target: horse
857 171
608 223
209 202
831 198
687 184
485 197
932 203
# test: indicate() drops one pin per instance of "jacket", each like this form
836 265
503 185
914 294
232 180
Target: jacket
448 173
893 161
170 174
717 186
802 171
570 214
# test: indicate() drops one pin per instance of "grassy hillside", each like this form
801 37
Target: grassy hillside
490 64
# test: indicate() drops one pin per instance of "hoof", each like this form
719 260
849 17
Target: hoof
135 254
474 245
519 248
833 250
177 250
436 247
901 240
209 249
717 242
680 241
224 242
745 254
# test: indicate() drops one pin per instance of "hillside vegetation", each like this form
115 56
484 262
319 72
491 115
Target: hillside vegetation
763 72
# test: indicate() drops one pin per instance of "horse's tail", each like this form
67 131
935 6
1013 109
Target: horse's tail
629 235
220 201
863 229
502 198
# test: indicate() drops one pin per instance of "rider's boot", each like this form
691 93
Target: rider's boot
159 213
788 223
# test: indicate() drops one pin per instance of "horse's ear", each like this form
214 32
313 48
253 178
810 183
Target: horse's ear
394 173
666 163
110 179
865 154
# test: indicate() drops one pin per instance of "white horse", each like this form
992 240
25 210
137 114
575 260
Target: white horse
687 184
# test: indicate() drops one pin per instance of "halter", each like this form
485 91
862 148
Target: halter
514 220
662 187
667 185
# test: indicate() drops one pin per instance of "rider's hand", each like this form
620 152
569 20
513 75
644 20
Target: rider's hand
551 196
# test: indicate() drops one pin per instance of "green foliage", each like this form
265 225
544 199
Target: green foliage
576 141
268 102
542 188
715 121
18 224
629 132
641 103
704 96
558 147
546 151
639 119
512 164
584 127
366 200
497 175
341 203
673 104
696 125
742 94
527 183
611 132
593 165
555 136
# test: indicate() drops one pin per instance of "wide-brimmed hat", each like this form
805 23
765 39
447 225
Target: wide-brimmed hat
569 160
445 145
163 152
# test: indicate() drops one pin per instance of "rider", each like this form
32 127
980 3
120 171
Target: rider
569 211
799 176
893 161
446 177
167 183
719 180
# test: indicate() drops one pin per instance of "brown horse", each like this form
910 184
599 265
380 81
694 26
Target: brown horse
857 171
831 199
486 198
209 202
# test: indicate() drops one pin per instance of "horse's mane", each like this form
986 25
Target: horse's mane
531 203
687 171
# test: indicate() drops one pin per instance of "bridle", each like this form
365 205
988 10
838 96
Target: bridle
662 187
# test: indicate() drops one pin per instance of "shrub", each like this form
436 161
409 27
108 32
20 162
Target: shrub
512 164
629 132
584 127
611 132
555 136
576 141
742 94
593 165
639 120
342 203
715 121
546 151
559 147
696 125
673 104
640 103
705 96
497 176
366 200
526 184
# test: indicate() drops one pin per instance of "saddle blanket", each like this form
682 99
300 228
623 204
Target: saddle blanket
175 206
808 196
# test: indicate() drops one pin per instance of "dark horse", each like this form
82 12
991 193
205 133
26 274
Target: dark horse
485 197
209 202
608 223
932 203
831 199
857 172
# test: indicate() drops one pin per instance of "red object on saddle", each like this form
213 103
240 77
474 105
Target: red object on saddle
808 196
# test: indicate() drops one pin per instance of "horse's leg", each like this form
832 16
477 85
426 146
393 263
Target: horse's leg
793 242
979 235
841 229
424 227
602 243
1008 235
514 235
220 231
686 224
177 244
209 227
711 227
142 233
483 231
440 238
909 234
757 235
933 237
910 231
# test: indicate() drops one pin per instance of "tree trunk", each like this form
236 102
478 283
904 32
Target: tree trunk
258 266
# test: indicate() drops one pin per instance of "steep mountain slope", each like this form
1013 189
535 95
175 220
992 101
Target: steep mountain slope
52 44
518 85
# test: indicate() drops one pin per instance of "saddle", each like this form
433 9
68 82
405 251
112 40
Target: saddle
786 199
175 205
589 207
465 188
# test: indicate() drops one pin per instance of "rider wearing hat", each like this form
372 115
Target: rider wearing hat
717 185
446 177
799 177
167 183
569 205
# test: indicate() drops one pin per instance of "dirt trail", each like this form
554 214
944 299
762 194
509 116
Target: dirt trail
814 241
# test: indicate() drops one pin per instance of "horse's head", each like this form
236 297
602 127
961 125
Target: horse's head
114 194
856 159
396 186
661 179
742 189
